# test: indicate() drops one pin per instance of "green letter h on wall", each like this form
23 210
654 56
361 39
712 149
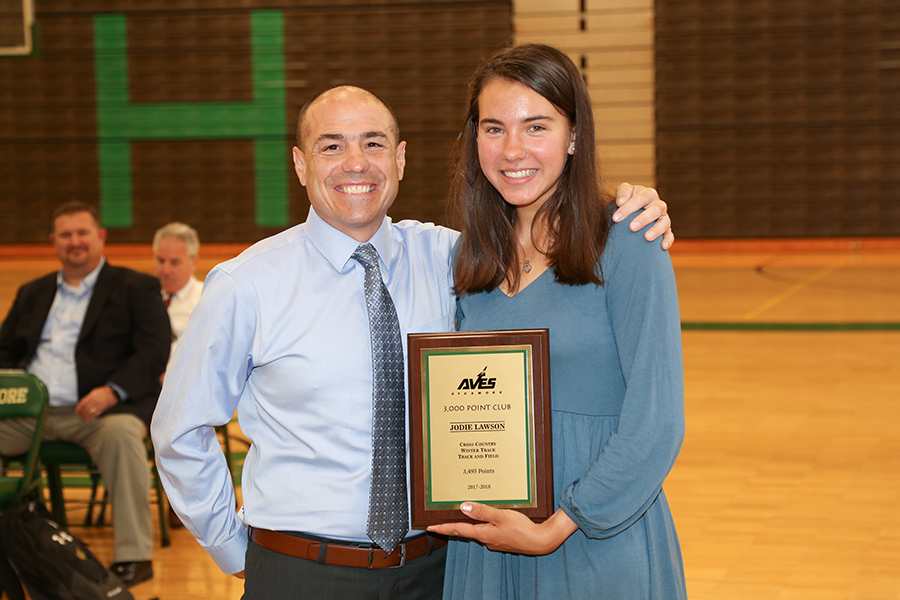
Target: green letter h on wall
120 121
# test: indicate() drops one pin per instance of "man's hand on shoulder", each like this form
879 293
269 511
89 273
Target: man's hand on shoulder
631 198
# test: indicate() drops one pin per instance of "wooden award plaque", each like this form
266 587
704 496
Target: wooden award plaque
480 423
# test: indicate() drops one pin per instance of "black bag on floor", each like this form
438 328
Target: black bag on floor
51 562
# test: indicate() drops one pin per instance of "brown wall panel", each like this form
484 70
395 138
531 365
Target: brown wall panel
416 55
167 186
779 119
199 57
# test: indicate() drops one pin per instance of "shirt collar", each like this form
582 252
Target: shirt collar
86 285
337 247
183 291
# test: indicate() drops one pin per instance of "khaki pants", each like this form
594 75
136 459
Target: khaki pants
116 445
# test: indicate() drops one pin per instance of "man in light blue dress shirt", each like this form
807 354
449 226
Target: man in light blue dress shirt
281 335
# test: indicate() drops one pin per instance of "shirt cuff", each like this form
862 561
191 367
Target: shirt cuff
121 395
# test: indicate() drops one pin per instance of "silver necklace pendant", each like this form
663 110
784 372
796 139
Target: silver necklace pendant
527 267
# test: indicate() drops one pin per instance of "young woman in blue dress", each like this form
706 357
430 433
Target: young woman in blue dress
539 249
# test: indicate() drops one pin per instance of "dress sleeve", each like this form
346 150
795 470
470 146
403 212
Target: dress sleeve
202 389
627 474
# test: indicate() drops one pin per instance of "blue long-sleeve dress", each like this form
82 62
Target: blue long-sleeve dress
617 394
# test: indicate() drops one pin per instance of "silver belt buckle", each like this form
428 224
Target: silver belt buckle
402 557
371 564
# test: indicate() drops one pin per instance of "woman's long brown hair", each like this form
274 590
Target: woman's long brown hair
576 212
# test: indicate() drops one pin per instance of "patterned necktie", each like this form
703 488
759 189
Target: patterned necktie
388 516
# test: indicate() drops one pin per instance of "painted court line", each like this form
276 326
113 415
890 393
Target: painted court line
790 292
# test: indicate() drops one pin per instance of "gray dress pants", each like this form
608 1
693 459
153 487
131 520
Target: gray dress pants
274 576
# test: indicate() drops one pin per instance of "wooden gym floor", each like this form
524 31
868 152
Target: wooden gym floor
788 485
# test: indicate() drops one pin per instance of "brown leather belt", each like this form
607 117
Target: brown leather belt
337 553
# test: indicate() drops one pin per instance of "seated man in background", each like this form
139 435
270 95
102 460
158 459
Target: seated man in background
99 337
176 249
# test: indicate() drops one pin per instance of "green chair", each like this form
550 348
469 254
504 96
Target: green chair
23 396
57 455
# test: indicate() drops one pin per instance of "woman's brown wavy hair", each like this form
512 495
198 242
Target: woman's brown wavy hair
575 213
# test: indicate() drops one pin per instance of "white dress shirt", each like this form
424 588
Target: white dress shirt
180 306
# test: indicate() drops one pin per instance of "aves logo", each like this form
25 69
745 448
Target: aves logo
482 382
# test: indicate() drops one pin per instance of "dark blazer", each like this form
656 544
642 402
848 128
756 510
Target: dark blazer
125 337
